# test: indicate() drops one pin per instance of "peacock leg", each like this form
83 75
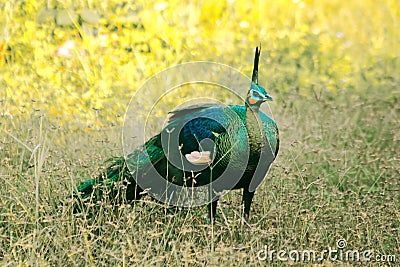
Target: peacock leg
133 192
247 199
212 209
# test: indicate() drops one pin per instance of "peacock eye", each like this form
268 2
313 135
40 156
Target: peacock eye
256 94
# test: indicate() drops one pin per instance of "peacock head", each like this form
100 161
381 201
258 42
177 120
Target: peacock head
257 95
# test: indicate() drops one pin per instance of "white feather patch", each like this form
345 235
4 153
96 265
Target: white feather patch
215 134
199 158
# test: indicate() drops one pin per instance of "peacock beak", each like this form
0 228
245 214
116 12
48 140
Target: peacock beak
267 97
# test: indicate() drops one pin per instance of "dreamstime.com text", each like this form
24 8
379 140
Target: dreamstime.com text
340 253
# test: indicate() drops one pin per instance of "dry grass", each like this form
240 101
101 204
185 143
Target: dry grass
336 177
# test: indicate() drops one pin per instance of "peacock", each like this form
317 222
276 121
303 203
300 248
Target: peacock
220 147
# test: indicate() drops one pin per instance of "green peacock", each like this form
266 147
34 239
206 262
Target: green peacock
220 147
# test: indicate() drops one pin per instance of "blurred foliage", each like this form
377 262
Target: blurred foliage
87 72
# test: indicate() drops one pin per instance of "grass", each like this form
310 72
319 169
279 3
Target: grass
336 177
332 68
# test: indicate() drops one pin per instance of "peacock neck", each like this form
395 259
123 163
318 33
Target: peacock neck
254 127
252 115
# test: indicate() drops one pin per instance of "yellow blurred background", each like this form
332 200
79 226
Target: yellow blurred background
87 71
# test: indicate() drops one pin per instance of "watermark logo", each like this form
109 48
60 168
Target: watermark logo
341 243
340 253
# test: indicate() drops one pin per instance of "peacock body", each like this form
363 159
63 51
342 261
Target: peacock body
226 147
